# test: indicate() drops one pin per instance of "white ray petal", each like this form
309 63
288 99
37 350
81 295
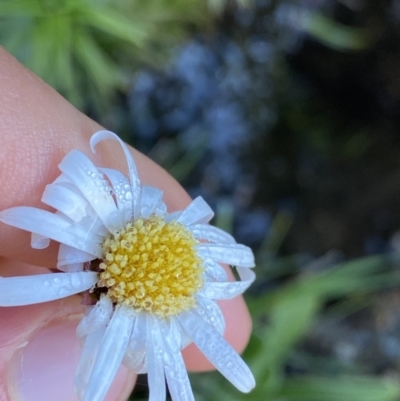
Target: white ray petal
135 356
228 290
68 255
149 199
110 355
99 316
197 212
70 202
218 351
155 352
215 270
138 337
52 226
67 200
232 254
63 180
173 216
133 175
161 209
86 361
91 183
122 192
39 241
136 361
27 290
74 267
211 313
211 233
174 366
94 227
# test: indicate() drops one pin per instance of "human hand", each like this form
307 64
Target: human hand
38 346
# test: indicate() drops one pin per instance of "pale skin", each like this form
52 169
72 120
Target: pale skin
38 128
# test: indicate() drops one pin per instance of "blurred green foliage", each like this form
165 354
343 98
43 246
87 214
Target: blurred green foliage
282 318
335 35
88 49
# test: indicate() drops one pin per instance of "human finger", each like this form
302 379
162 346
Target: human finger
38 128
39 350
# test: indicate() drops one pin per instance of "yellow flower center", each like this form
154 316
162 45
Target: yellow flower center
152 266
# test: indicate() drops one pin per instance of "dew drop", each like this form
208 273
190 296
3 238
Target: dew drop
75 281
62 291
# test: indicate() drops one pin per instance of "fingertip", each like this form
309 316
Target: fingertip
40 351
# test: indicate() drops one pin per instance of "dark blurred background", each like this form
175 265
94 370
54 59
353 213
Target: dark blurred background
284 116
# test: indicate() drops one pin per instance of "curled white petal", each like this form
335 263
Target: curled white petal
99 316
39 241
228 290
135 356
215 270
172 216
197 212
73 267
27 290
211 233
110 354
135 360
66 199
93 227
161 209
149 199
122 192
232 254
68 255
133 175
174 366
52 226
218 351
91 183
155 351
86 361
211 313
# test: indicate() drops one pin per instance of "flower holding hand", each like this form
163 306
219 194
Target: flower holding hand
152 273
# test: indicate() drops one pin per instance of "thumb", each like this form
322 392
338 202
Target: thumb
39 350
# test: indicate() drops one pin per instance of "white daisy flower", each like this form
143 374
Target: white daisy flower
154 276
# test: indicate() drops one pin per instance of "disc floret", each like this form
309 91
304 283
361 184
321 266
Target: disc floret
152 266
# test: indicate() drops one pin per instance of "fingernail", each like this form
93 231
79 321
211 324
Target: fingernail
46 365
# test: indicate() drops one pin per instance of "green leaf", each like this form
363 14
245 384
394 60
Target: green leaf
20 8
289 319
334 34
224 216
340 389
96 63
364 274
192 155
117 25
